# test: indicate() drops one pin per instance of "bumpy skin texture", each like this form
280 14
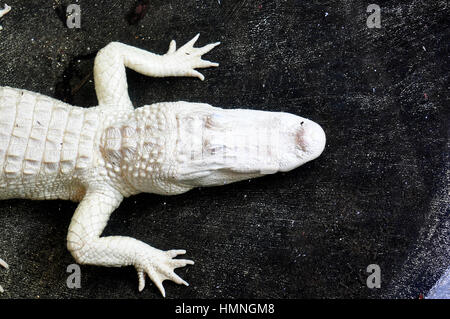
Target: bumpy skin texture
99 155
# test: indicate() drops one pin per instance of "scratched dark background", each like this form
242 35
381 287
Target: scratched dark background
379 194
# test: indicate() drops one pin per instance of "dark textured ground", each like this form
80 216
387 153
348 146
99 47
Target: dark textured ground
378 194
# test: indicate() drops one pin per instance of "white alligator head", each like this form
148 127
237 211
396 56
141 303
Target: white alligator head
169 148
219 146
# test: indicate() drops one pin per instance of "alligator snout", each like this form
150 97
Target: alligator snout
311 138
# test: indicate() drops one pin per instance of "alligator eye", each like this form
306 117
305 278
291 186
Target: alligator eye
215 121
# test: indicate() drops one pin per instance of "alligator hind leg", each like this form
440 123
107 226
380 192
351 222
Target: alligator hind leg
5 265
109 68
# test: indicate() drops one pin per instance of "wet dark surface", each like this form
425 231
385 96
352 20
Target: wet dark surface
379 194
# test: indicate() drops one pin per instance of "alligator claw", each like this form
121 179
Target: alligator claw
159 266
186 59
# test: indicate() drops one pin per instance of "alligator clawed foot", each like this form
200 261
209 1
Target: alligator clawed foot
5 265
159 266
4 11
186 59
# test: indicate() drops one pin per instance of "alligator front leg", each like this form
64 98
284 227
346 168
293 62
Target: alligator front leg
5 265
110 62
87 247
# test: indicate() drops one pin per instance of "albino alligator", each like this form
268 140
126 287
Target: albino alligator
99 155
